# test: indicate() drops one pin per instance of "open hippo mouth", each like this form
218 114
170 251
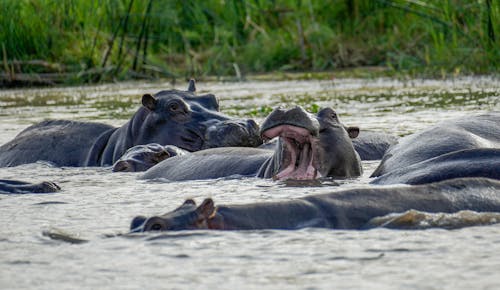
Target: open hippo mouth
297 151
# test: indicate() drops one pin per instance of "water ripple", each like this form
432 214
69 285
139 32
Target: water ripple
99 205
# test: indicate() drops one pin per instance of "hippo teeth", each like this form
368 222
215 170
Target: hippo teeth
298 152
289 131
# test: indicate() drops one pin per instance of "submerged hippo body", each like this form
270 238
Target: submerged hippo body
373 145
368 145
346 209
482 162
308 147
462 147
173 117
22 187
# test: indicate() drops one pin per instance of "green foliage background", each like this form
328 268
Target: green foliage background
121 39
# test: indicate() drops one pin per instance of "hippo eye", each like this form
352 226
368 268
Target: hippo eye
327 113
173 106
156 227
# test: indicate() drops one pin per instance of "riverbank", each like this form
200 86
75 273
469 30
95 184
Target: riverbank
67 78
48 42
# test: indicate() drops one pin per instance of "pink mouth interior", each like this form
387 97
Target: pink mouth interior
300 147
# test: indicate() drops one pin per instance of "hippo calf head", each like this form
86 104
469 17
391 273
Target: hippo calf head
188 216
191 122
143 157
310 146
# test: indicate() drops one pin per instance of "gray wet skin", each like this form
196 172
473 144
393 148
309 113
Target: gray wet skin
346 209
21 187
372 145
143 157
181 118
468 146
369 146
309 147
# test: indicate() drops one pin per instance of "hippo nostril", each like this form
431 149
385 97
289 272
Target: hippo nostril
252 125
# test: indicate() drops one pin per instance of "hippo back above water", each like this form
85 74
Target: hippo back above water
170 117
352 208
467 146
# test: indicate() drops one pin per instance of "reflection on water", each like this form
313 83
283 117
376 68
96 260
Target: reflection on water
40 240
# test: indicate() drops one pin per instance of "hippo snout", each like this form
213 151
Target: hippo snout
252 126
296 116
229 133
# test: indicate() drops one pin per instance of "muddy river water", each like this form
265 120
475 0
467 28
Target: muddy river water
97 205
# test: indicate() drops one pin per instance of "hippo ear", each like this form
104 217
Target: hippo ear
206 209
191 86
187 202
149 102
353 132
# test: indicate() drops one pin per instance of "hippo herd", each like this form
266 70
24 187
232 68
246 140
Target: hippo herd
173 117
308 147
178 135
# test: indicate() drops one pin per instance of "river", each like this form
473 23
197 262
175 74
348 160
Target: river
97 205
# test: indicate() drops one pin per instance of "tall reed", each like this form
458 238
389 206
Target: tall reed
119 39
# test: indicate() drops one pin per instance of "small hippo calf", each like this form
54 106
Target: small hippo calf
143 157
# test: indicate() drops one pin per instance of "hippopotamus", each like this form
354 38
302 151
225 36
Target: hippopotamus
462 147
346 209
309 147
143 157
22 187
368 144
372 145
181 118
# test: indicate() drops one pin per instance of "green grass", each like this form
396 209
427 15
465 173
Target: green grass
103 40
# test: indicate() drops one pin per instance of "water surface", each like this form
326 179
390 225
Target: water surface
96 205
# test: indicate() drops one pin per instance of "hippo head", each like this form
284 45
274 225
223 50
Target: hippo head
310 146
143 157
186 217
191 122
